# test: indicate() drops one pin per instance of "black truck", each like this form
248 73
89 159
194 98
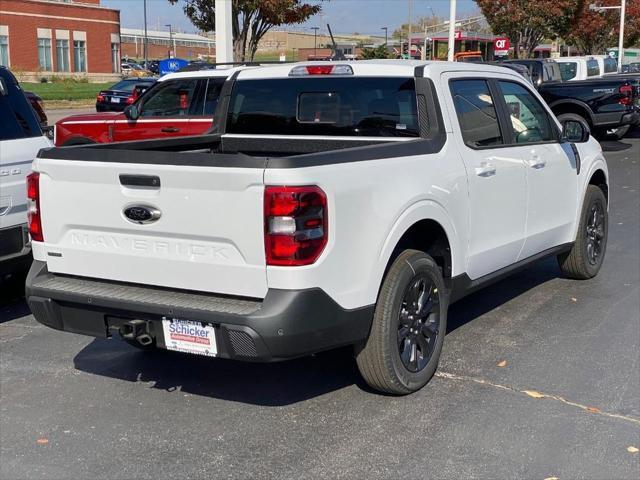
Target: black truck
609 105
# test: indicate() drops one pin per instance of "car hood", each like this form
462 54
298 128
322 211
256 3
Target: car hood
95 117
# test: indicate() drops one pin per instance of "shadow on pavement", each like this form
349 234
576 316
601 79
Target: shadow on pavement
275 384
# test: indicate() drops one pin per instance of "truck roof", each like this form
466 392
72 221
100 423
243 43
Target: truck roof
215 72
372 68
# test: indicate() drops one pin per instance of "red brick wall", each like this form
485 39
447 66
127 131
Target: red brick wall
24 17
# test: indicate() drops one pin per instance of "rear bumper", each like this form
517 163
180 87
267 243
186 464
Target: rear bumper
106 107
286 324
614 120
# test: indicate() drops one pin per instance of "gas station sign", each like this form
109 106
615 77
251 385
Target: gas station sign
501 46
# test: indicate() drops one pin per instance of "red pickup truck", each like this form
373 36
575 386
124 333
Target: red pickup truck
179 104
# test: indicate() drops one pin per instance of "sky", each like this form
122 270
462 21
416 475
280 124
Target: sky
345 16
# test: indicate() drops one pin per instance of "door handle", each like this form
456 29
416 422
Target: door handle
536 162
170 130
486 170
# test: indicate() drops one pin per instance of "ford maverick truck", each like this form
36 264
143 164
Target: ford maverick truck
334 204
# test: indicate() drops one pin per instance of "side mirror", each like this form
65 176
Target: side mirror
132 112
575 131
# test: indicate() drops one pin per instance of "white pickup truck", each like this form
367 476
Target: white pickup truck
20 140
345 203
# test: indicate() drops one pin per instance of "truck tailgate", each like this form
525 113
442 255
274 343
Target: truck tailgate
208 237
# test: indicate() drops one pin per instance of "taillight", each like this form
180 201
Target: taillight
627 92
100 98
131 100
33 211
295 224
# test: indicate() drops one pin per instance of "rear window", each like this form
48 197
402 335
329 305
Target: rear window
128 85
357 106
17 119
568 70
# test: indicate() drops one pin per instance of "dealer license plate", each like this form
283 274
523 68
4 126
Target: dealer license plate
189 337
115 100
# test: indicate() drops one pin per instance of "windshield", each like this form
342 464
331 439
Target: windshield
568 70
356 106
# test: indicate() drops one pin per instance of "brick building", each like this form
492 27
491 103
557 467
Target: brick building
160 43
42 38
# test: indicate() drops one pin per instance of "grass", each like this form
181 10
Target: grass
66 90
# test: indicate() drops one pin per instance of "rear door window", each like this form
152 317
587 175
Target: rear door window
476 113
356 106
173 98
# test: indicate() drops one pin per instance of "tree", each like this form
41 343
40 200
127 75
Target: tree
593 32
528 22
380 51
251 19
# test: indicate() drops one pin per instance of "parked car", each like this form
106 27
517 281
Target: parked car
521 69
122 94
342 203
131 69
542 70
631 68
609 105
578 68
20 139
176 105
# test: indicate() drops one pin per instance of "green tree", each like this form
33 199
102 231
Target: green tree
251 19
595 31
380 51
528 22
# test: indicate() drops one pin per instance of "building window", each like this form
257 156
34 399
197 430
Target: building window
44 54
115 57
4 50
62 55
80 55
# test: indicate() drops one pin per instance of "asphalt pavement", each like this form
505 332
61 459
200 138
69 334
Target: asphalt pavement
539 378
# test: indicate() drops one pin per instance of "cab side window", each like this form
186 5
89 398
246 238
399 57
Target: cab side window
529 120
476 113
173 99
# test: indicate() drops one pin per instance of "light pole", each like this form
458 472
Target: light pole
386 30
146 40
315 44
409 31
170 38
595 8
452 30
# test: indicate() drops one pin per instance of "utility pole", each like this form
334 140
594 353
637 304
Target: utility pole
315 43
452 30
409 29
386 29
224 31
146 39
622 7
170 39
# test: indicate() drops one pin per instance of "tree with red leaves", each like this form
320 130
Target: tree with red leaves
251 19
593 32
528 22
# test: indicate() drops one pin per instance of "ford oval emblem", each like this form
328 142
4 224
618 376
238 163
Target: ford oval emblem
142 214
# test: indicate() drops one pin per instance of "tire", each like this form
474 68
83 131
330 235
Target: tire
585 258
403 349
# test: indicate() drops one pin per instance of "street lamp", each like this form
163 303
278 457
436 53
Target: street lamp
386 29
170 38
315 44
596 8
146 38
